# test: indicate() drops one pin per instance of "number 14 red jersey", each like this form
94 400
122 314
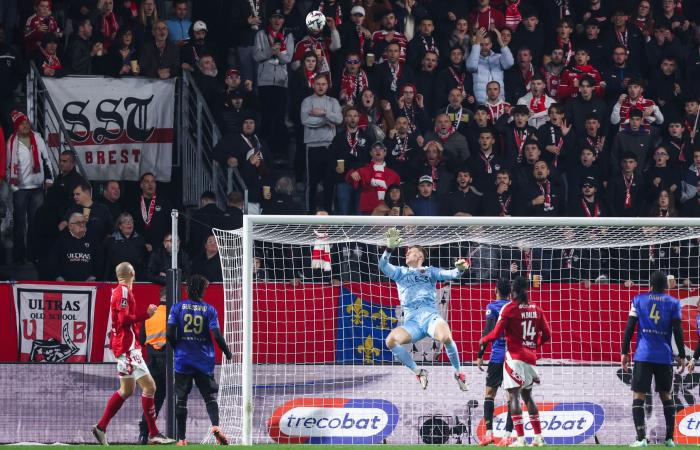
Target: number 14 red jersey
525 329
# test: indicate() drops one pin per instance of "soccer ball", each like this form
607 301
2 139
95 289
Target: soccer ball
315 21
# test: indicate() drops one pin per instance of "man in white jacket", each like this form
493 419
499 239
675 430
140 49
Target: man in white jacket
485 64
27 170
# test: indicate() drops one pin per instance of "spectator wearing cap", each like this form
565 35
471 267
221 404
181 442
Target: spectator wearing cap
197 46
583 165
74 257
234 111
589 203
122 55
179 25
529 34
83 56
354 35
26 167
233 82
38 25
159 58
465 200
537 101
542 197
625 189
350 148
634 138
273 52
454 76
595 45
424 41
320 115
585 104
427 202
372 179
571 78
485 64
46 57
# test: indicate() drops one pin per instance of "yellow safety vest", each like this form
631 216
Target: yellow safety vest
155 328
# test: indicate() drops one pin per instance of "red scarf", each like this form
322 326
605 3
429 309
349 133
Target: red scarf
459 78
379 179
50 61
596 211
545 189
321 252
680 148
520 141
537 104
352 142
147 215
109 27
444 138
13 158
276 36
568 50
504 205
352 86
513 16
403 148
487 160
628 190
310 77
497 110
528 75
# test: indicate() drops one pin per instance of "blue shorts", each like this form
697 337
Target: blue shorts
421 323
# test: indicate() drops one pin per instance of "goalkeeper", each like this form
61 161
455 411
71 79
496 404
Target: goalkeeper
417 294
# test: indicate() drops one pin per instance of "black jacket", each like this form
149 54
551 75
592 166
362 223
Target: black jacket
122 249
100 221
201 224
160 262
208 268
160 222
76 259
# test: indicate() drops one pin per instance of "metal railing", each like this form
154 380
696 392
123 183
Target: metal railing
198 133
47 120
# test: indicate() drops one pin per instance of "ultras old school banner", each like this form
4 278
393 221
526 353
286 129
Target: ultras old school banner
54 323
120 127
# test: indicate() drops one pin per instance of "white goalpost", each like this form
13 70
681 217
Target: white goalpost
307 311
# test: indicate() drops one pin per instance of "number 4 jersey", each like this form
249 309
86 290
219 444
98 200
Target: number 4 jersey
525 329
194 352
655 314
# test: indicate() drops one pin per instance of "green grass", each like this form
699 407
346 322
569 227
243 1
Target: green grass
346 447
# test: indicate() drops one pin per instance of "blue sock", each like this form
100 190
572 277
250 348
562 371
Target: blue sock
402 355
453 354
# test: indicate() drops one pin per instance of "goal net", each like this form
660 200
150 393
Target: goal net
308 312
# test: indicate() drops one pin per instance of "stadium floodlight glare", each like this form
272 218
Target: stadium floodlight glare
306 312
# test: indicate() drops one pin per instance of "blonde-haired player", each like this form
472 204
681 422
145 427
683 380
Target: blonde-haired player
131 367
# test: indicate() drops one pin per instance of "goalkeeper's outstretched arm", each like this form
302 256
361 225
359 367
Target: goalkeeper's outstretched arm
385 266
453 274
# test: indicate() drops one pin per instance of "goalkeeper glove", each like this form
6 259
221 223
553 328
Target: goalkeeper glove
462 264
393 238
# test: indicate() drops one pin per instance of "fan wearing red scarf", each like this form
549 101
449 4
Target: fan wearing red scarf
24 166
455 144
151 212
544 198
537 101
373 179
319 44
38 25
572 75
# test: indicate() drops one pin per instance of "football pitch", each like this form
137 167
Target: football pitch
345 447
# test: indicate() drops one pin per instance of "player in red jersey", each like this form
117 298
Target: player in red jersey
525 329
132 369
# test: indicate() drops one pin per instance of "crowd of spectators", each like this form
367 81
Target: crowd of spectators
394 107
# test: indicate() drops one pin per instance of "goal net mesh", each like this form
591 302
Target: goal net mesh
321 311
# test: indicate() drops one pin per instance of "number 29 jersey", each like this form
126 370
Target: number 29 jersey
655 314
525 329
194 352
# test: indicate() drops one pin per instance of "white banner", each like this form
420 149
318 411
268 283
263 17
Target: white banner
54 322
120 127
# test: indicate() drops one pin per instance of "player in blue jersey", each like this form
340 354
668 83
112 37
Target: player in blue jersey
191 324
656 315
417 294
494 374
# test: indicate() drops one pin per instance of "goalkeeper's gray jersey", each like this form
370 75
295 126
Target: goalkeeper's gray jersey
416 286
